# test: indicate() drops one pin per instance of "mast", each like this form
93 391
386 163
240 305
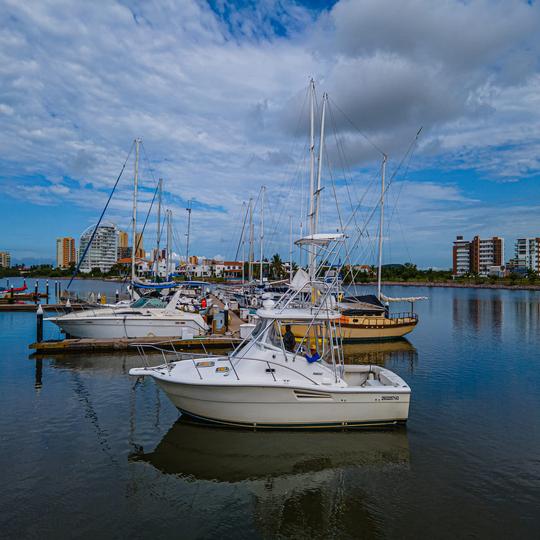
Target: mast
188 209
251 231
381 227
312 176
290 250
134 218
243 240
263 189
169 231
158 255
319 168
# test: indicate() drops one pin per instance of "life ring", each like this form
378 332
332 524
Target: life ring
254 301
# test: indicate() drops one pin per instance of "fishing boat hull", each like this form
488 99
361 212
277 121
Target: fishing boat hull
126 327
288 407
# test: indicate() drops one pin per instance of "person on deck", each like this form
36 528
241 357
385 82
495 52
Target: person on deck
288 339
314 355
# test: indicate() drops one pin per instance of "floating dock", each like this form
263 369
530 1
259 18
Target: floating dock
126 344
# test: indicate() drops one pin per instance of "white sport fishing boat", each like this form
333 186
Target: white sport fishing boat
263 385
146 317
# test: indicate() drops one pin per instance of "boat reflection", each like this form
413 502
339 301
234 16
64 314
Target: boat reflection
194 451
387 354
294 479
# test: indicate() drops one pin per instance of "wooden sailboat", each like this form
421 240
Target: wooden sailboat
362 318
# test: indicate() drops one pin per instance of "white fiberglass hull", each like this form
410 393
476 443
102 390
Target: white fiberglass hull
288 407
125 327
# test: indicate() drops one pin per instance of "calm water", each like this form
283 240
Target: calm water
84 452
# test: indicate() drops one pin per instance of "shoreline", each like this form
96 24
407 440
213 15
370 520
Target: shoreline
454 285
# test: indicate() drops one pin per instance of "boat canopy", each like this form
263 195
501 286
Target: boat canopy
150 285
320 239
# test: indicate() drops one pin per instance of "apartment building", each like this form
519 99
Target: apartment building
477 256
461 256
65 252
102 253
527 254
5 259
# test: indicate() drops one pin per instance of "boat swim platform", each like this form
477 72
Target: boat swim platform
74 346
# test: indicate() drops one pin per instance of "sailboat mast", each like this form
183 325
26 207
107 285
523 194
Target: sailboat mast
319 168
169 231
188 209
290 250
312 176
263 189
158 255
381 228
243 240
251 231
134 218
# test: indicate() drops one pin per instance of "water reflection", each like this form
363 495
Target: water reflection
388 354
295 479
478 314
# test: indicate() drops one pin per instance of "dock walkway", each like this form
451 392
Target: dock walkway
125 344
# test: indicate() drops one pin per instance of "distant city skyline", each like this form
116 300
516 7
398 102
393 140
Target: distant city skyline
217 93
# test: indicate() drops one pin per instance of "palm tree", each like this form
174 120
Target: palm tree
277 271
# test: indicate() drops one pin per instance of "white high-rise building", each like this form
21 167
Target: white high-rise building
527 253
102 253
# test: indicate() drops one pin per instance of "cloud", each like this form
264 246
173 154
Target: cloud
218 93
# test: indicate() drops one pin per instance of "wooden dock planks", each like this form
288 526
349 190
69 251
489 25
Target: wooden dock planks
124 344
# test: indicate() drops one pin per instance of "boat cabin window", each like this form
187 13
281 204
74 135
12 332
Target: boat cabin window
274 336
149 303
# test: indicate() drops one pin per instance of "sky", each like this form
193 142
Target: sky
218 93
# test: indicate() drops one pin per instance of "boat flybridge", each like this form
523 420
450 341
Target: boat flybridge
146 317
263 384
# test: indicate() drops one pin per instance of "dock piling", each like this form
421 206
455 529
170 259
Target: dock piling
39 329
47 289
36 287
117 296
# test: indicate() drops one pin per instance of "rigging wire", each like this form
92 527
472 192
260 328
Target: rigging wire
100 218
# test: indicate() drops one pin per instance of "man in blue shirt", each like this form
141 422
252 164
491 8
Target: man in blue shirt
314 355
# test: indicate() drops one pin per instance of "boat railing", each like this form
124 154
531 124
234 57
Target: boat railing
269 363
403 315
142 349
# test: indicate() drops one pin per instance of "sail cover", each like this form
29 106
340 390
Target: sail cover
406 299
320 239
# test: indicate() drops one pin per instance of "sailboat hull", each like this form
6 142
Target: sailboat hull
369 328
286 407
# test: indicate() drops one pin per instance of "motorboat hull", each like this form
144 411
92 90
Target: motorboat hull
124 327
287 407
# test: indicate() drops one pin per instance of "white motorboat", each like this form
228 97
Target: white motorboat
263 385
146 317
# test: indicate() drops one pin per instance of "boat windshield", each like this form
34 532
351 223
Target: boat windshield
149 303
